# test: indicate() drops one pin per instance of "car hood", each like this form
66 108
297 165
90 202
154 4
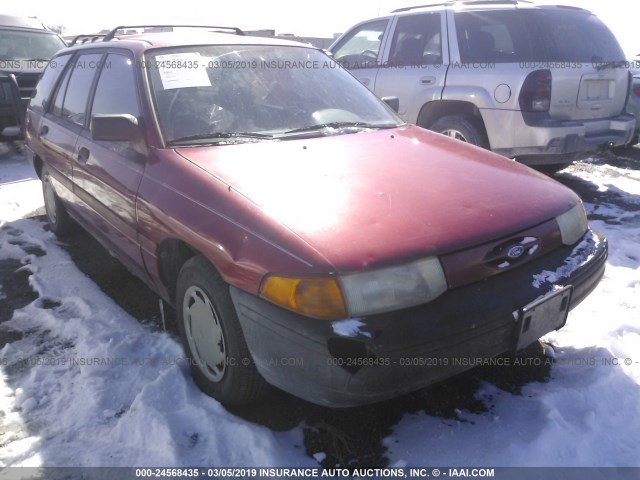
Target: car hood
378 197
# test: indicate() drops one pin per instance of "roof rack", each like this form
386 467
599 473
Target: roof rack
88 38
434 4
466 2
111 35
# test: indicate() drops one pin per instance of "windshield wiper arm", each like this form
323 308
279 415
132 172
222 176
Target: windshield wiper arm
223 135
322 126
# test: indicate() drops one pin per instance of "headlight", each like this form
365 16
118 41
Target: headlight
573 224
394 288
358 294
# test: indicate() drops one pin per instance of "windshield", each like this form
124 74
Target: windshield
17 45
234 94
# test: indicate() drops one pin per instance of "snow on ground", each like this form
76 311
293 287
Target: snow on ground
19 192
61 405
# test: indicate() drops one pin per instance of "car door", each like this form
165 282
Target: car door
56 136
415 63
360 49
107 174
64 121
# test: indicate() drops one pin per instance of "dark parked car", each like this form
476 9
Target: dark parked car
308 238
26 46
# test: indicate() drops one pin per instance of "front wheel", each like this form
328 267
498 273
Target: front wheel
212 337
461 128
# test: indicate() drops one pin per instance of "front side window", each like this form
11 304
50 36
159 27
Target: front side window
116 89
360 48
232 94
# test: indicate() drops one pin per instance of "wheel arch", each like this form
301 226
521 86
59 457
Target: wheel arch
172 254
38 164
433 111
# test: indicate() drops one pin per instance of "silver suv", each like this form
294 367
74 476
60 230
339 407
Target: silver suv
541 84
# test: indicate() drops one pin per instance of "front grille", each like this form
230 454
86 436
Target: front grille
483 261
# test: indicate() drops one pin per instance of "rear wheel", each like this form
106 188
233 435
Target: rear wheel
212 337
59 220
461 128
625 149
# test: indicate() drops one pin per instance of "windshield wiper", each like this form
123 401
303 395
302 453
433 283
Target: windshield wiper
336 125
220 135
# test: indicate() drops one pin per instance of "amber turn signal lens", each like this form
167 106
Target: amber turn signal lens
312 297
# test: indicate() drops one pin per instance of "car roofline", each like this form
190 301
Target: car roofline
219 29
145 41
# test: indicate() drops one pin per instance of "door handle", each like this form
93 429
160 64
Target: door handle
44 130
427 80
83 154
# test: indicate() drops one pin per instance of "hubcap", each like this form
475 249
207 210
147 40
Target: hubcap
50 202
204 333
457 134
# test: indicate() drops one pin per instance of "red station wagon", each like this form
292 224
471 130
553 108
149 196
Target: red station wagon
307 237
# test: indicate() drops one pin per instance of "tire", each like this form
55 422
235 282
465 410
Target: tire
59 220
212 337
461 128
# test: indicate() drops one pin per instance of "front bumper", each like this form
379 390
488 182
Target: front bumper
398 352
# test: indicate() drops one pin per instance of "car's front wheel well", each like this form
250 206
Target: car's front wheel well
172 255
37 165
432 112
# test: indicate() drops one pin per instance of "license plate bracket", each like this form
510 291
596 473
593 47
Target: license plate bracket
542 316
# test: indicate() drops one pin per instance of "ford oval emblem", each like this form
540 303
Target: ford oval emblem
515 252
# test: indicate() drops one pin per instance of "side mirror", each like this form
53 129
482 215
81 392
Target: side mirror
393 102
116 128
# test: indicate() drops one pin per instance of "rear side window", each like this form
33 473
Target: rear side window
417 40
47 82
534 35
71 100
